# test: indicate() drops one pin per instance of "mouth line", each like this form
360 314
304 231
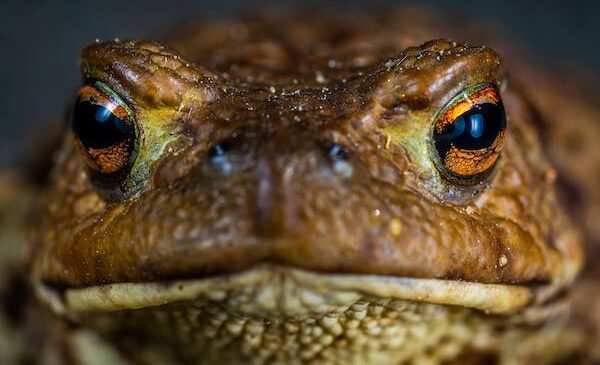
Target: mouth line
286 291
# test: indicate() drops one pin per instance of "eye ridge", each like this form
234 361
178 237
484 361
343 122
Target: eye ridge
469 133
104 128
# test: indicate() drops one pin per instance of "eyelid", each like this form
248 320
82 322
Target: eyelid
111 95
464 101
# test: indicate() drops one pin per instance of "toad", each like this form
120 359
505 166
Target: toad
304 191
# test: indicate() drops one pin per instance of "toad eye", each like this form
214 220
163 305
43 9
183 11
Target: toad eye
104 129
469 134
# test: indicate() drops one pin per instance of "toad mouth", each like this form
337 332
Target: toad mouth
273 290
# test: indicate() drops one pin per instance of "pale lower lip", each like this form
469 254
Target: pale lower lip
279 284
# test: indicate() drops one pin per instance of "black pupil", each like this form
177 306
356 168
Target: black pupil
97 127
473 130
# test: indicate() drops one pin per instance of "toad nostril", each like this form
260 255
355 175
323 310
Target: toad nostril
338 155
336 152
219 159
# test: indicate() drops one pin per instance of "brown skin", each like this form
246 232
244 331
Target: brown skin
278 102
283 194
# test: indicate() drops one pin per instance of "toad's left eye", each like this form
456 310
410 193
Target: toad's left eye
469 133
104 130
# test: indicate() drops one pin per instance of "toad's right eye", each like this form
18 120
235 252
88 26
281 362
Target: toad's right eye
469 134
104 129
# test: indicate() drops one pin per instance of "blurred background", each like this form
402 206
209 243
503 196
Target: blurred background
41 39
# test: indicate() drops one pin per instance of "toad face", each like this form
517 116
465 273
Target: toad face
287 192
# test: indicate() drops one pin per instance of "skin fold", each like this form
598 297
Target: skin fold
283 203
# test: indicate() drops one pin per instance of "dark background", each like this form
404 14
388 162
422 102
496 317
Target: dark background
40 41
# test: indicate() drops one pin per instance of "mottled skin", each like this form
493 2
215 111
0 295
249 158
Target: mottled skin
285 254
283 200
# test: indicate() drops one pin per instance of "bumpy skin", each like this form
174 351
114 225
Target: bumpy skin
283 220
